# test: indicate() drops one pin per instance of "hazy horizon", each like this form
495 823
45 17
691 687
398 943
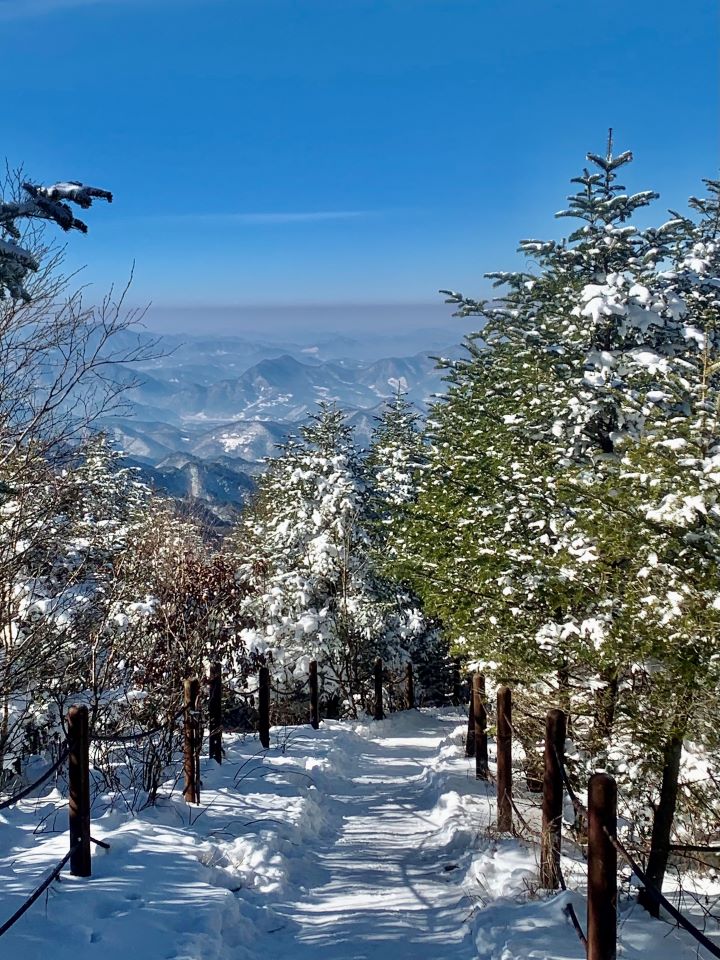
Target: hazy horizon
305 322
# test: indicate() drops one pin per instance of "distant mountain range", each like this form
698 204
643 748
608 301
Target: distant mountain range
203 416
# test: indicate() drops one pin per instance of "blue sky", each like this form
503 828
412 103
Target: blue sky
332 151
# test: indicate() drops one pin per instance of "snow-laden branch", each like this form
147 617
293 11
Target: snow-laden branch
41 203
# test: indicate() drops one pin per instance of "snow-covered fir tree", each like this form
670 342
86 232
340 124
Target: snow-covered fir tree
565 528
395 456
393 467
316 591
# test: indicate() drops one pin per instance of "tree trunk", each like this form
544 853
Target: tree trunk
606 705
564 696
663 822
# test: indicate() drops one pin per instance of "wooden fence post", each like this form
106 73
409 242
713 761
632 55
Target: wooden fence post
79 778
480 727
602 868
378 674
191 693
264 707
215 712
314 696
552 805
410 686
504 759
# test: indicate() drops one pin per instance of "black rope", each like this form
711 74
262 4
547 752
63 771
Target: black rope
33 786
245 695
289 690
658 897
520 817
38 892
692 848
528 716
569 910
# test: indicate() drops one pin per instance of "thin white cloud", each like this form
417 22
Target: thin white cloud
24 9
282 217
28 9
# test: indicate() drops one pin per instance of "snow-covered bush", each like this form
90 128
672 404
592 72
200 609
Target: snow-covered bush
68 510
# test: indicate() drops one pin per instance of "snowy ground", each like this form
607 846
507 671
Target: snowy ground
352 842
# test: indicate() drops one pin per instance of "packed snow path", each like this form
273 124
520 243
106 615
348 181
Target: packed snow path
381 880
356 841
328 845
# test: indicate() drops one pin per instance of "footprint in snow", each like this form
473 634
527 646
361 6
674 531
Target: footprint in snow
122 907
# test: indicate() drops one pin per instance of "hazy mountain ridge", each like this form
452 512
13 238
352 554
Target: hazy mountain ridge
202 417
281 388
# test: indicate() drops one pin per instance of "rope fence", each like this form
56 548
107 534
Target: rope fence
76 753
662 900
37 893
37 783
78 768
600 814
134 737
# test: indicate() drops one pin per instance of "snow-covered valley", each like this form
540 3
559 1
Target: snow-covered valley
202 415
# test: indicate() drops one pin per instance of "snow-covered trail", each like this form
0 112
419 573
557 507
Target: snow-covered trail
381 879
355 841
348 842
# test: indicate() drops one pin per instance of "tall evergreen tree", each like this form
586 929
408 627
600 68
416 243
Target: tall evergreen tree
565 528
306 557
394 466
316 590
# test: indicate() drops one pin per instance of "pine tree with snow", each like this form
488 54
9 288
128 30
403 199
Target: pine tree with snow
564 527
35 202
304 557
394 465
316 591
396 454
525 408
